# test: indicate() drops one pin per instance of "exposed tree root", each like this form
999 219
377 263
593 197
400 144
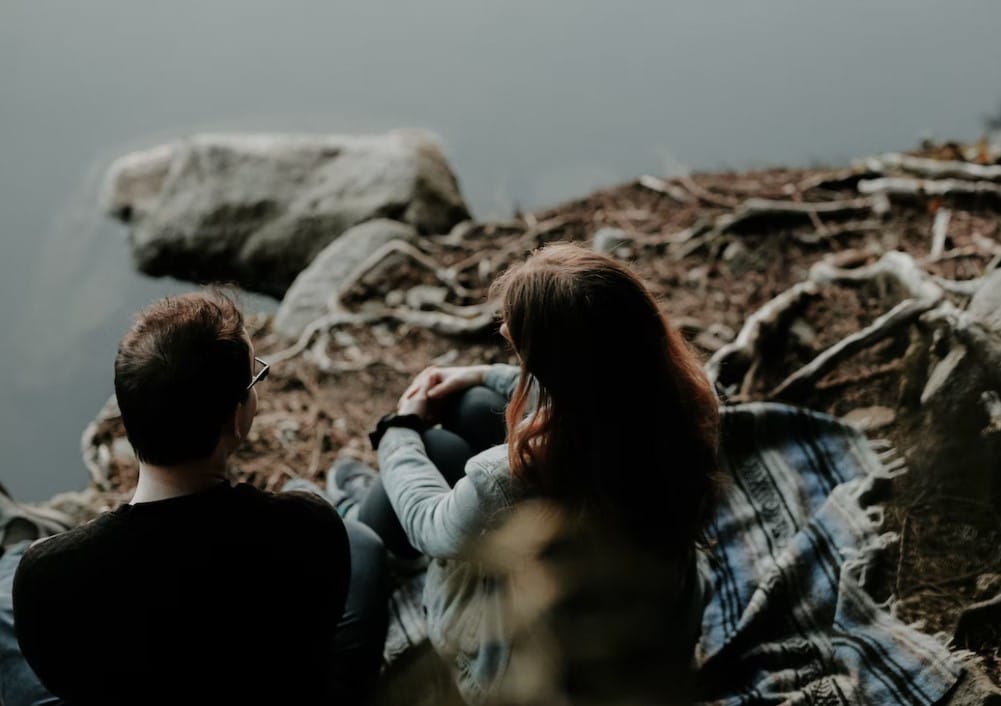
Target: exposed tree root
970 333
906 186
886 325
939 232
453 320
692 239
897 265
828 233
758 208
739 360
704 194
734 359
479 320
665 187
522 244
446 276
931 168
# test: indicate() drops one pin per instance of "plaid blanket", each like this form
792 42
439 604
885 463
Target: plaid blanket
789 620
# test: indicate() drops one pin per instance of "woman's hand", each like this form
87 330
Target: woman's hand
437 383
415 403
434 383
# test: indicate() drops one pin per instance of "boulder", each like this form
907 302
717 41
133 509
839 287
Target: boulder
255 209
324 280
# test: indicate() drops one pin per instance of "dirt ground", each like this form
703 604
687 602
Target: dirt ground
949 555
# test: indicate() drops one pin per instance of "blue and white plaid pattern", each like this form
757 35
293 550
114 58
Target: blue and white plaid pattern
789 620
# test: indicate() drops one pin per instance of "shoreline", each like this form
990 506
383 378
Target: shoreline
715 248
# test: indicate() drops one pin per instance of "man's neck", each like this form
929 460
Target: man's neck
163 482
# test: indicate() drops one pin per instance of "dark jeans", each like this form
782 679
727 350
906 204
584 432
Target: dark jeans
361 632
471 421
358 643
18 684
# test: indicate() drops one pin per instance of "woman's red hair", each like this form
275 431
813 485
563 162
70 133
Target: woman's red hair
626 426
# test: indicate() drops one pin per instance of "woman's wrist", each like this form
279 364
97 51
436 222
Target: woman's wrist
481 373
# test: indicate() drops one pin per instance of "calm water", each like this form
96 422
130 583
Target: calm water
538 101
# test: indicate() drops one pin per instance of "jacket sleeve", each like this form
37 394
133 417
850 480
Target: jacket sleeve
438 520
502 379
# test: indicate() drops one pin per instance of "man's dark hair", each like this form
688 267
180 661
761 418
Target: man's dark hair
179 374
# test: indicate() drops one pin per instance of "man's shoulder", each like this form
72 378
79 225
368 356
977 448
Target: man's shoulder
61 555
302 516
300 505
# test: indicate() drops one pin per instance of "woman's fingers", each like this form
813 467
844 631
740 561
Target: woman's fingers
452 381
413 405
443 388
421 382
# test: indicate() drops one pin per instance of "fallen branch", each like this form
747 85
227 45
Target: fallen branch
931 168
889 323
905 186
740 354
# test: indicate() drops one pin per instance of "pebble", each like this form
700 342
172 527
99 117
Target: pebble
609 240
871 418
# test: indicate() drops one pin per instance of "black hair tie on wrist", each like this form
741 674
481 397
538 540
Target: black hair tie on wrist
406 421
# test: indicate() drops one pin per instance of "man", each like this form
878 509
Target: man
199 591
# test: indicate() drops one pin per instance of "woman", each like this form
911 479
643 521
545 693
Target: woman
608 415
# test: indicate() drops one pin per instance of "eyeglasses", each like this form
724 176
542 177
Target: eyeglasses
261 374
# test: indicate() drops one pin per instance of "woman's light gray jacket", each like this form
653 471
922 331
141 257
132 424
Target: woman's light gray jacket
463 599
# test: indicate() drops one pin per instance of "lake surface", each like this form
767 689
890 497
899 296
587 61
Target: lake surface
536 101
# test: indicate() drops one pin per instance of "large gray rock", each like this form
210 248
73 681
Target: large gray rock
255 209
314 290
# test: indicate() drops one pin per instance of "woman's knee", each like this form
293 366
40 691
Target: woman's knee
477 415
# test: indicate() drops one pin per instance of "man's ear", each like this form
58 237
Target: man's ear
231 427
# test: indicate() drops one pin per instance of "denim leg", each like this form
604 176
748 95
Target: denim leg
361 632
477 415
18 684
